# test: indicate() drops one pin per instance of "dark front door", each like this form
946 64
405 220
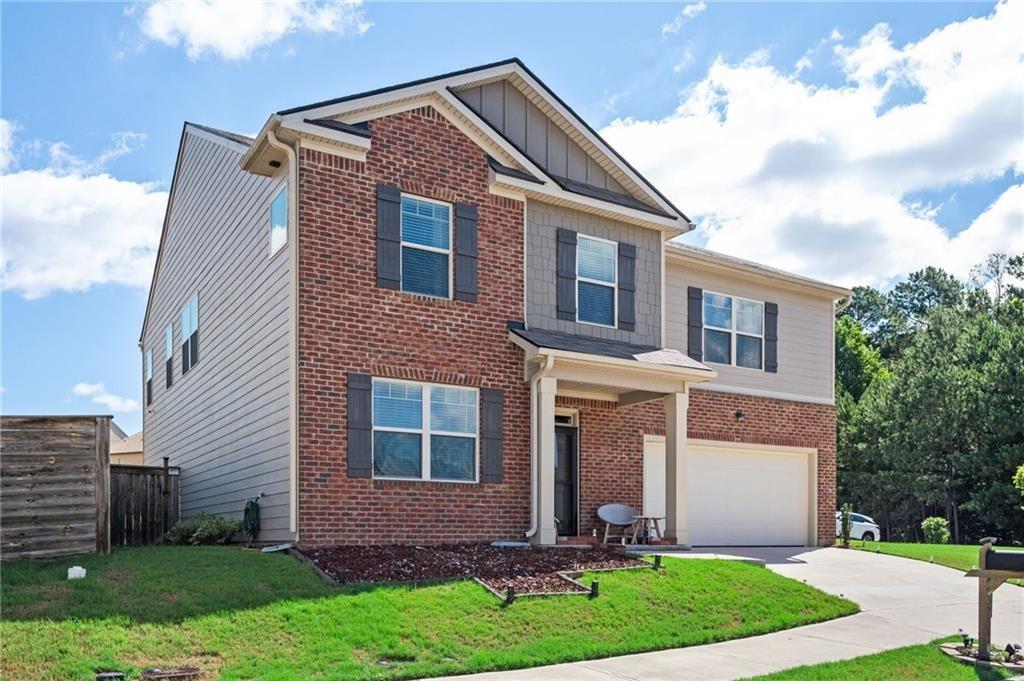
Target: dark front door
566 482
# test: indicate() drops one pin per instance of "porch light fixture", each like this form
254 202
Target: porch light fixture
740 415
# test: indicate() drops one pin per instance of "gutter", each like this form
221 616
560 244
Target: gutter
549 363
293 330
845 304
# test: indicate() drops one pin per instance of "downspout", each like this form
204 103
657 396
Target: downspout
293 333
549 362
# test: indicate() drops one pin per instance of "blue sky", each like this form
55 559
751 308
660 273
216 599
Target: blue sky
94 96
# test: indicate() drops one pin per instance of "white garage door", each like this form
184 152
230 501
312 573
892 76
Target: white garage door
736 496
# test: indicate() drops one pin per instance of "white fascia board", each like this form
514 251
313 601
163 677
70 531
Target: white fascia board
506 184
601 146
346 139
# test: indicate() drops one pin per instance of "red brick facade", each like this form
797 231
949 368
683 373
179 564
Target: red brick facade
611 444
348 324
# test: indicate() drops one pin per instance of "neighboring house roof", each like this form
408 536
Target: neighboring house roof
116 432
712 259
233 136
126 445
556 340
336 121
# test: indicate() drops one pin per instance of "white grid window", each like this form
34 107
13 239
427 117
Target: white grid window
426 246
424 431
733 331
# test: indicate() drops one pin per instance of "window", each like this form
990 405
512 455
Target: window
733 331
596 279
424 431
190 334
426 246
169 353
279 221
149 377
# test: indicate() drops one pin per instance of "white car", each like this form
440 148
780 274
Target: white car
861 527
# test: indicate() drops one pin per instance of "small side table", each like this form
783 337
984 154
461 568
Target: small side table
646 526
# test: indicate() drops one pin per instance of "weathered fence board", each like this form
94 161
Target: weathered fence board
144 503
54 482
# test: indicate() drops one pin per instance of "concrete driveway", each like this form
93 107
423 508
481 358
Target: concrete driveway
903 602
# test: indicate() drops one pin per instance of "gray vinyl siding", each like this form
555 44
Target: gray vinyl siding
225 422
543 221
536 135
806 365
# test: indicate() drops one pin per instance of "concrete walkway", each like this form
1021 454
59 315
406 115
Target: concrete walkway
903 602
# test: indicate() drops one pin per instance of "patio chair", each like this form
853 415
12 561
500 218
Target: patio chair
619 516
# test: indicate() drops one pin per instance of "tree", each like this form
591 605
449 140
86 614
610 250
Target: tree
858 362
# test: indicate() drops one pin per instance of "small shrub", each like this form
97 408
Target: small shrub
936 530
203 528
844 523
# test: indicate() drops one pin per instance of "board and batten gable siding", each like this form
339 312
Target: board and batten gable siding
805 346
225 422
543 221
536 135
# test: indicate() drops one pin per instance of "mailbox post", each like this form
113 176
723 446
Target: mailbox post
994 568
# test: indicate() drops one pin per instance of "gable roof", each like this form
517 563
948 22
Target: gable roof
640 200
230 140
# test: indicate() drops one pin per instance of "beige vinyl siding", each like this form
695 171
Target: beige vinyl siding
225 422
806 368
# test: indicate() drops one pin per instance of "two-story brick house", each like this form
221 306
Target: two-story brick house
448 311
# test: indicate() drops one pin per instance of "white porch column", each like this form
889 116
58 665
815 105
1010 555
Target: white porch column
675 467
546 531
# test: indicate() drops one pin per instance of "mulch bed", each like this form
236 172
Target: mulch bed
526 569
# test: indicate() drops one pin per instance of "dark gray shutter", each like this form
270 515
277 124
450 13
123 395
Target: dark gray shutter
465 252
389 237
565 256
627 287
193 348
695 323
771 338
492 434
149 392
360 425
170 371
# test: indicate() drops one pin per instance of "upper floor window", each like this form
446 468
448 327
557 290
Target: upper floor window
733 331
279 221
169 353
596 280
424 431
190 334
149 377
426 246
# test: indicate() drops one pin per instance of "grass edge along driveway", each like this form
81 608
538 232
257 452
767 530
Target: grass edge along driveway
961 557
240 615
912 663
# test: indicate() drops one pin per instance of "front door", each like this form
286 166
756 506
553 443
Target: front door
566 480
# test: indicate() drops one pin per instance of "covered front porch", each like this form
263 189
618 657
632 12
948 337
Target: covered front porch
591 403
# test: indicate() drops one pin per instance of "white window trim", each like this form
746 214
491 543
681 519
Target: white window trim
732 331
270 221
613 285
425 432
430 249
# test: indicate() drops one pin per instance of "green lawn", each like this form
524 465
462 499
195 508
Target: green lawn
249 615
914 663
958 556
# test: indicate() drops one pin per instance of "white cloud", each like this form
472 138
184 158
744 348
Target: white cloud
684 61
8 157
235 29
818 179
99 395
71 225
689 11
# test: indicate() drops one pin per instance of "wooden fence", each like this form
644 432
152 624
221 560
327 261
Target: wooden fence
144 503
54 482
